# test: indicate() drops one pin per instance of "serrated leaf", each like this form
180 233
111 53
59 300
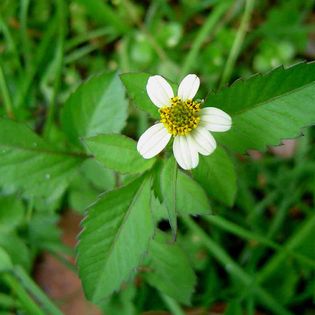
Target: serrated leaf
169 191
28 162
266 109
170 270
118 153
97 106
135 84
115 236
216 174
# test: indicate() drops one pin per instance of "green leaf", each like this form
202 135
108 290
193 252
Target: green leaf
234 308
266 109
119 153
169 191
11 213
217 176
97 106
116 234
28 162
101 177
171 271
16 249
135 84
190 196
5 261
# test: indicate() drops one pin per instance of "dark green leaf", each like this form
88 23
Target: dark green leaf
266 109
119 153
216 174
28 162
115 235
97 106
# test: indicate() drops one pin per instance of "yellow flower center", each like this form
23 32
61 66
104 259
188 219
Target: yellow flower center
181 117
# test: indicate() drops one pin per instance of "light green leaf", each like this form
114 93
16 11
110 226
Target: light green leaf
169 191
180 195
190 196
216 174
5 261
119 153
266 109
17 250
102 178
171 271
115 236
27 162
97 106
11 213
135 84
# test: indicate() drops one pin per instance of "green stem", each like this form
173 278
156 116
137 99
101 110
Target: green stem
248 235
41 53
237 44
10 43
234 269
93 34
277 260
203 33
7 101
26 301
172 305
59 59
26 49
33 288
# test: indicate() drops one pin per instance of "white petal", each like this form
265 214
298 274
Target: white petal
153 141
215 119
204 141
159 91
188 87
185 152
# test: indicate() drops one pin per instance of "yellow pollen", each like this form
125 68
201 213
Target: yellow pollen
181 117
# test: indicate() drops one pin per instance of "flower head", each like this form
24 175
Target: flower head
182 117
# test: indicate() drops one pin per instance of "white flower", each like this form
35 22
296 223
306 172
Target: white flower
182 118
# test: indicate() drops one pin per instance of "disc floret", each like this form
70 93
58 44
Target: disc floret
181 117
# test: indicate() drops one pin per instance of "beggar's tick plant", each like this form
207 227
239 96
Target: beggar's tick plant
175 213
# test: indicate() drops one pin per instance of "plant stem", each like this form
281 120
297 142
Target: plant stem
26 49
7 101
33 288
27 303
172 305
59 59
248 235
276 261
207 27
237 44
234 269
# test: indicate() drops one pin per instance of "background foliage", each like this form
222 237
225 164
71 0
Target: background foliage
68 88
